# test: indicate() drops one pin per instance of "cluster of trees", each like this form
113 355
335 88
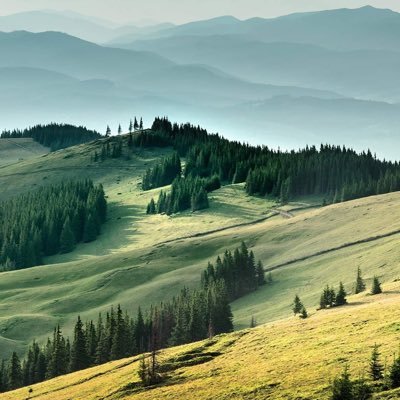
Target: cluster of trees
329 298
50 220
344 388
163 173
299 308
110 148
190 316
360 285
337 173
55 136
239 271
186 193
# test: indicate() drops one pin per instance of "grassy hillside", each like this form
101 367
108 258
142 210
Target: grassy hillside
14 150
289 359
140 259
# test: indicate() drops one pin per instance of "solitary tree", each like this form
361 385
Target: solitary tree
360 284
141 124
376 286
341 296
376 368
119 129
303 313
108 131
297 305
253 322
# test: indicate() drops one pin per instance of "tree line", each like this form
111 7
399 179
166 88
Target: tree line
334 172
163 173
192 315
55 136
239 271
48 221
186 193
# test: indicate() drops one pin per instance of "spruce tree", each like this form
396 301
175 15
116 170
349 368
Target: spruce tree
297 305
261 274
376 286
79 356
67 238
119 129
394 374
14 372
342 387
108 131
303 313
359 285
376 368
341 296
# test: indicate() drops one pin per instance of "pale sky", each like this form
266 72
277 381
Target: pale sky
180 11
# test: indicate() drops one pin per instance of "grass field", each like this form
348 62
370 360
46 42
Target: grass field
291 359
16 150
140 259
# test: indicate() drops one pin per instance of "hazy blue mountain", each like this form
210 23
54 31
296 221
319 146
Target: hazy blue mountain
356 73
202 85
362 28
41 21
85 27
71 56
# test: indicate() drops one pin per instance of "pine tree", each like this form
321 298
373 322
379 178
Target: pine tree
253 322
303 313
376 286
359 285
130 126
14 373
108 131
67 238
297 305
57 363
136 125
341 296
79 356
342 387
376 368
394 374
261 274
119 129
151 208
141 124
361 390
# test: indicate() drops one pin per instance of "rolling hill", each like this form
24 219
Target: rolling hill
289 359
141 260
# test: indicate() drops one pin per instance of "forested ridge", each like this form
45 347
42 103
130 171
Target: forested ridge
49 220
55 136
334 172
192 315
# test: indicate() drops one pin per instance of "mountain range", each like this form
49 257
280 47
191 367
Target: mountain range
323 76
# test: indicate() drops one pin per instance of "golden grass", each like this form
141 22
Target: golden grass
289 359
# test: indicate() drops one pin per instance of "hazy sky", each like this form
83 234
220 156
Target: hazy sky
185 10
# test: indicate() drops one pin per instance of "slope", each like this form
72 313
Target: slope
289 359
140 260
13 150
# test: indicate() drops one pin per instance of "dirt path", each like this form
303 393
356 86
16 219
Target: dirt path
332 249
